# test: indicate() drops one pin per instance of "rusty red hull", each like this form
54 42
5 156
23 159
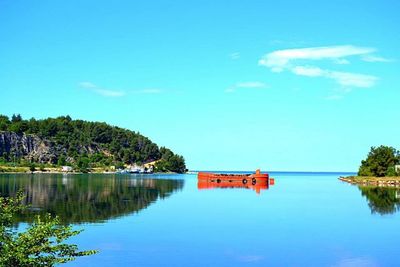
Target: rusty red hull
255 181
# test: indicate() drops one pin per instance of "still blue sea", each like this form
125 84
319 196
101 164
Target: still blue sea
304 219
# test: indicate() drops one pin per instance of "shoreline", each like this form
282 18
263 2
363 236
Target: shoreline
25 170
372 181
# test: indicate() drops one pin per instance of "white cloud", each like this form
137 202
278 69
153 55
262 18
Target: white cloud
87 85
352 79
109 93
101 91
293 60
281 59
250 85
308 71
346 79
341 61
372 58
235 55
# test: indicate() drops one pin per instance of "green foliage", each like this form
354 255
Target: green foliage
61 160
83 164
42 244
379 160
381 200
4 123
391 172
96 142
170 162
32 167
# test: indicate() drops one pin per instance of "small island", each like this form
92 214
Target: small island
380 168
65 145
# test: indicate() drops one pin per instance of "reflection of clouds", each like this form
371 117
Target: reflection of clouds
250 258
356 262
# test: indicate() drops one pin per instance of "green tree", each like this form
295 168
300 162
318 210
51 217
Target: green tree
16 118
32 167
379 161
4 123
83 164
61 161
42 244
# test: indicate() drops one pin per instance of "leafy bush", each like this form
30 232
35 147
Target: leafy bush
42 244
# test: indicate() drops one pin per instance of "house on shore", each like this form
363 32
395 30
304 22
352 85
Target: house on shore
66 169
397 168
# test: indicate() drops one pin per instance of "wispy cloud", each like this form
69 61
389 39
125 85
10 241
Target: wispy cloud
352 79
307 71
110 93
301 62
346 79
101 91
87 85
149 91
235 55
280 60
251 84
372 58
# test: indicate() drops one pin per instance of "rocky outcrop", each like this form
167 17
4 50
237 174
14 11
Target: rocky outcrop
33 148
27 146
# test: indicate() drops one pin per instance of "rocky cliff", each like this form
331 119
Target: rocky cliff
32 147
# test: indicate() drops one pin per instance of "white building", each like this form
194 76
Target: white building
397 168
66 169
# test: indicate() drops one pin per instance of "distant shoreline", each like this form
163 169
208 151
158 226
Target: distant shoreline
26 170
372 181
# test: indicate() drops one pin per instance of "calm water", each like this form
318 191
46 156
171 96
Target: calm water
305 219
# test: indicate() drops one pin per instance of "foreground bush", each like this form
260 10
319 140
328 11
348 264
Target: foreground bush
42 244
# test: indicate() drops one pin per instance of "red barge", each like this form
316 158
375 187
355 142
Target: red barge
255 181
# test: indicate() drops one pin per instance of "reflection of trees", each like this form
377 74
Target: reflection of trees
382 200
86 198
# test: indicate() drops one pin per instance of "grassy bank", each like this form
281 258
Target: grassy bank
373 181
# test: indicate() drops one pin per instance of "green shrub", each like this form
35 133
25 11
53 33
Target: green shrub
42 244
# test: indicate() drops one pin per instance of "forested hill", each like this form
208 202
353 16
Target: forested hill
61 141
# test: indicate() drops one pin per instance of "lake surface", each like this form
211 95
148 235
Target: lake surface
304 219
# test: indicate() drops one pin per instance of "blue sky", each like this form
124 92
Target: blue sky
231 85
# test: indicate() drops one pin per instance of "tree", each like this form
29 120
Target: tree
379 161
61 161
16 118
42 244
4 123
32 167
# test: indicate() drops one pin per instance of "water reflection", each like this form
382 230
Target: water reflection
86 198
382 200
256 185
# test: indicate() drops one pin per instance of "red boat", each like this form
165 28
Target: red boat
255 181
